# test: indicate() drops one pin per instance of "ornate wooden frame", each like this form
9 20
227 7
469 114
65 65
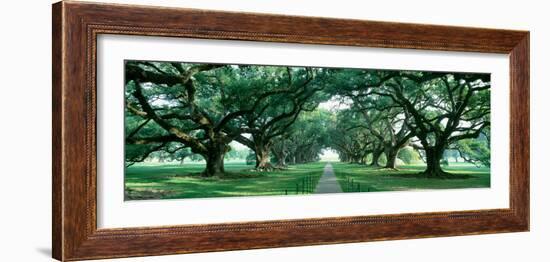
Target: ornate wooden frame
76 26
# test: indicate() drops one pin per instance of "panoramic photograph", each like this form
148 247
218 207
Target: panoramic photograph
198 130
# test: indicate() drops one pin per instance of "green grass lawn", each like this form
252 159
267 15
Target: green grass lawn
173 181
407 178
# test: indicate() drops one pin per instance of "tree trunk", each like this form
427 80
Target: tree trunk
281 158
262 157
292 159
214 160
433 159
343 158
364 158
375 157
280 152
391 158
346 158
262 160
298 158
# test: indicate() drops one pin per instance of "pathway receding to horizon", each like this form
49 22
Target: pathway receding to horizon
328 182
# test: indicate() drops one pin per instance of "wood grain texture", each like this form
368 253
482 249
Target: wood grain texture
519 129
76 26
57 195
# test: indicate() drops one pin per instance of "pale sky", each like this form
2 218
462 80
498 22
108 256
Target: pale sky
329 155
335 103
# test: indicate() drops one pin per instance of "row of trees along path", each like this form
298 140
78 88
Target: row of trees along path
199 109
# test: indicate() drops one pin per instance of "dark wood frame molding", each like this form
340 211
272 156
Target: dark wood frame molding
76 26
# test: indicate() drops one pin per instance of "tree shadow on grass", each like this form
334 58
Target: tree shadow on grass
423 176
148 180
226 176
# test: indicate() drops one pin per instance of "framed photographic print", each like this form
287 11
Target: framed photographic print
182 130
